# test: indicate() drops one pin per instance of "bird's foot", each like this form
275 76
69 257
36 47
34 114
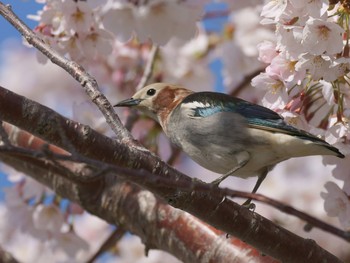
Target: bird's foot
248 204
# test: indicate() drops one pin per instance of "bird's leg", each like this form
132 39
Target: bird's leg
261 178
243 158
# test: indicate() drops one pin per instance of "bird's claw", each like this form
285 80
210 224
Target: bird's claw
248 204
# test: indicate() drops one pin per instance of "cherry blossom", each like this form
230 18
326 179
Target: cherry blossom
321 36
48 217
274 9
337 204
267 51
155 20
73 28
185 62
316 66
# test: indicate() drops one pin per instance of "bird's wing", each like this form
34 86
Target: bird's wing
204 104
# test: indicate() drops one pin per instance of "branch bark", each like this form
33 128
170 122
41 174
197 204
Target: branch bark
158 224
106 198
6 257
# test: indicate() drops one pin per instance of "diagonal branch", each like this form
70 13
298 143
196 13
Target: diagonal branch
146 179
6 257
159 225
111 241
102 198
149 68
74 69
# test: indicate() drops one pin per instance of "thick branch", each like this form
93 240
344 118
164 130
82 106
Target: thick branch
159 225
222 214
6 257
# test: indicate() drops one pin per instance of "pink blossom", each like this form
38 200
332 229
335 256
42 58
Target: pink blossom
316 66
321 36
155 20
267 51
274 9
337 204
276 96
285 69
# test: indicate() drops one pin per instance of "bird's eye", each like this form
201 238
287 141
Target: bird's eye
151 92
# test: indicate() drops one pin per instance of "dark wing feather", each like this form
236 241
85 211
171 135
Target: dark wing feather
257 116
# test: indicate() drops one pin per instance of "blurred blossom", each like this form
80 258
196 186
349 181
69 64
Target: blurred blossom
267 51
240 4
70 243
155 20
337 204
130 249
274 9
187 63
249 33
43 84
236 65
88 114
238 53
48 218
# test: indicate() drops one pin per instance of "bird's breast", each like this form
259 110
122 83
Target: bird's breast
217 141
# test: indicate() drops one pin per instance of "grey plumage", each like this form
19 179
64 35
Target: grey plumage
226 135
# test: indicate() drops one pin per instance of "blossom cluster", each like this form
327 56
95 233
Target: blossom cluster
32 210
306 79
301 47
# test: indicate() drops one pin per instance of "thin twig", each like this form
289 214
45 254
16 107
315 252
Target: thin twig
114 237
6 257
147 73
131 119
175 153
146 76
74 69
247 79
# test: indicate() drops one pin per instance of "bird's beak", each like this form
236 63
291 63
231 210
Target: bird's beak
128 103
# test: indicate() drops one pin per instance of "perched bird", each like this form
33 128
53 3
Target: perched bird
224 134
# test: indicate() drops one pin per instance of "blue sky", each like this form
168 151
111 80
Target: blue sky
7 31
22 9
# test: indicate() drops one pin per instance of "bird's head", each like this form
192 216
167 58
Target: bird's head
156 100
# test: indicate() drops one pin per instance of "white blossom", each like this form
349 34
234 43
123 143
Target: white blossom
321 36
156 20
337 204
48 217
276 96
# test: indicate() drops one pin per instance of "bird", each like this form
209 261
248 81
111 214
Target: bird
225 134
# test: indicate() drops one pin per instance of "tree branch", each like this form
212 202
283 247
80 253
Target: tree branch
111 241
159 225
74 69
144 178
6 257
149 68
219 212
100 198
